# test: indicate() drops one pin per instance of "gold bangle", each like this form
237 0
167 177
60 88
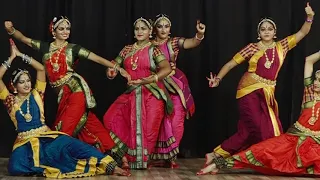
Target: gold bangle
199 39
156 77
11 33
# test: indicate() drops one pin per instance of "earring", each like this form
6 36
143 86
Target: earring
150 36
169 33
15 91
54 37
259 38
274 37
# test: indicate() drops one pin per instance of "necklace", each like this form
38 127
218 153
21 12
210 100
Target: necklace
160 42
55 65
27 116
314 118
268 63
136 47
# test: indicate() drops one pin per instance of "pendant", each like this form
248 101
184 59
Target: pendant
56 67
28 117
134 66
312 120
267 64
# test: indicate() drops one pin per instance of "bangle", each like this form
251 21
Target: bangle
11 33
199 39
27 59
309 20
6 64
156 78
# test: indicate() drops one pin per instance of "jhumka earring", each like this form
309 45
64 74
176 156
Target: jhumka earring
15 91
150 36
259 38
274 37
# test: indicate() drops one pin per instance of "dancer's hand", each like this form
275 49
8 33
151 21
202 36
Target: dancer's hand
173 65
142 81
201 28
14 49
310 13
9 26
213 80
111 73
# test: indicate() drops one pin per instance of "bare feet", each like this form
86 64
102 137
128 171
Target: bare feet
120 172
125 164
210 169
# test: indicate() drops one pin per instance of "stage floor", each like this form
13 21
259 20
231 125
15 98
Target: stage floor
187 170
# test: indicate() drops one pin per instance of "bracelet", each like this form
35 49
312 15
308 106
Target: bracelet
199 39
156 78
309 20
27 59
6 64
11 33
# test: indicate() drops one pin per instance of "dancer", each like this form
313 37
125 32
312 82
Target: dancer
178 87
38 150
258 108
135 117
74 116
295 152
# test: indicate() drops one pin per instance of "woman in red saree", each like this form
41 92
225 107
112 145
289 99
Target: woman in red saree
135 116
295 152
258 108
74 116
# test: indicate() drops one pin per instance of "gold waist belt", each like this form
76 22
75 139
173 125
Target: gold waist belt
33 132
61 81
263 80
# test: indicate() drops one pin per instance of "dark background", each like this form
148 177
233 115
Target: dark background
105 27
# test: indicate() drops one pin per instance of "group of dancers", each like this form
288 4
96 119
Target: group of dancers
144 126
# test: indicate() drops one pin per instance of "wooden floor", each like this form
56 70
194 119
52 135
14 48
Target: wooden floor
187 170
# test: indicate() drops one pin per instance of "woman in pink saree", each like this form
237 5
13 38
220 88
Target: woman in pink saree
135 117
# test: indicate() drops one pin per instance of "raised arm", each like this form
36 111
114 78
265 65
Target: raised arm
196 40
16 33
308 66
307 24
4 67
41 75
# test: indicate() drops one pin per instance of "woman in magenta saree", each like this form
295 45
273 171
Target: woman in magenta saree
176 83
258 108
135 117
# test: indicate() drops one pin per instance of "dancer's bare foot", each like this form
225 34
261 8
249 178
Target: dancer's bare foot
210 157
125 164
120 172
210 169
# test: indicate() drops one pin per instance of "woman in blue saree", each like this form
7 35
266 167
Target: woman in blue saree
37 149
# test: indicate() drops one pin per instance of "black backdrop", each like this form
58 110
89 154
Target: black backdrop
105 27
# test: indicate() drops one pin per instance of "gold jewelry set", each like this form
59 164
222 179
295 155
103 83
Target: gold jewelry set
135 48
55 64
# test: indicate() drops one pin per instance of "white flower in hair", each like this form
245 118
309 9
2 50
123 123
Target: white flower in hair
54 19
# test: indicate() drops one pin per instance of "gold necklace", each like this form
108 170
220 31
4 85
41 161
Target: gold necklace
27 116
56 65
314 118
268 63
264 47
136 47
160 42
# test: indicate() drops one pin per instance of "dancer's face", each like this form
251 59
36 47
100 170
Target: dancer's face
141 31
62 32
267 31
23 85
163 29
